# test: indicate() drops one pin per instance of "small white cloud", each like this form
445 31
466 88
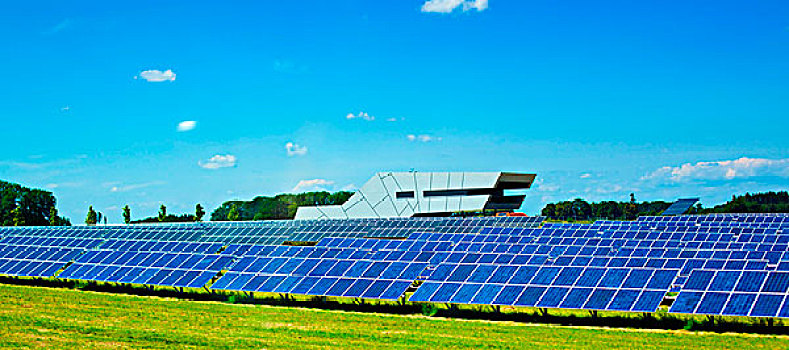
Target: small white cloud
605 189
312 185
447 6
422 138
156 76
586 175
722 170
186 125
360 115
132 187
58 27
295 150
218 161
65 108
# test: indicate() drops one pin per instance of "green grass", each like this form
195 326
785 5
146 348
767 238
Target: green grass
40 317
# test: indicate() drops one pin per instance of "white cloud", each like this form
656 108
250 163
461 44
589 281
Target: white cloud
350 187
312 185
58 27
132 187
722 170
295 149
422 138
447 6
360 115
186 125
156 76
218 161
65 108
605 189
586 175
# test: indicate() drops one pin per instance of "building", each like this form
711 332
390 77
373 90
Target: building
406 194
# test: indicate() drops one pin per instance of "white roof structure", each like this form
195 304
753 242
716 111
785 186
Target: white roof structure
406 194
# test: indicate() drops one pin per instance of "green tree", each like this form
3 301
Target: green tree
19 218
126 214
162 213
233 214
631 211
282 206
92 218
53 216
33 206
199 212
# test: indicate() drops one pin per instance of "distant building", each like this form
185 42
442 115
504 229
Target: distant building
406 194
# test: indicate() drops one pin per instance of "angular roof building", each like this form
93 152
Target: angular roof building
407 194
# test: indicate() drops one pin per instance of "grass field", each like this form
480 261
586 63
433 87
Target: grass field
46 318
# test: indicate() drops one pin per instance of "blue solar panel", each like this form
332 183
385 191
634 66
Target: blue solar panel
739 304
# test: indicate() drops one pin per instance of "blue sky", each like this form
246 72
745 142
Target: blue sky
661 98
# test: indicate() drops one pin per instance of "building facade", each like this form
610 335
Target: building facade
406 194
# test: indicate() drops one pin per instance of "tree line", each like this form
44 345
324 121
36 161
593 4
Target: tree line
581 210
767 202
279 207
94 217
22 206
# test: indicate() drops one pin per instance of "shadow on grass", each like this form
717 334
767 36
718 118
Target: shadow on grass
658 320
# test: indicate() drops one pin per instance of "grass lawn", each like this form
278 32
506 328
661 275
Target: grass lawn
46 318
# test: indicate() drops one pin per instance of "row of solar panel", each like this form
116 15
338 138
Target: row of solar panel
743 217
139 275
624 228
29 268
616 234
754 241
731 304
39 253
547 297
158 246
737 281
51 242
589 248
339 225
325 286
685 264
616 278
331 268
191 261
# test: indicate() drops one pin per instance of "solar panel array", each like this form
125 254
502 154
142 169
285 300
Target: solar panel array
729 264
140 253
680 206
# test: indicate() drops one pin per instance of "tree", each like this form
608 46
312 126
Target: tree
33 206
282 206
92 218
19 218
53 216
233 214
162 213
632 198
126 214
631 211
99 217
199 212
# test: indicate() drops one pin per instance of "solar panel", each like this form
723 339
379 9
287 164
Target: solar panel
714 261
